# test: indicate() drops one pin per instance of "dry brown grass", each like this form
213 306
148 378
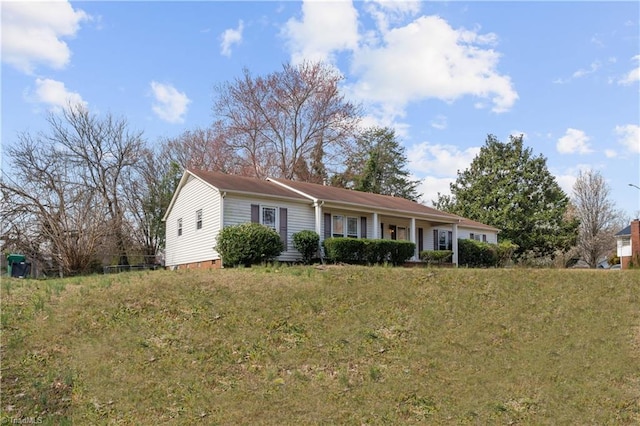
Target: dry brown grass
338 345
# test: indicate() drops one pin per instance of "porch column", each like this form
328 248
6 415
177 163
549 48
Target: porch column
376 226
412 233
318 207
454 244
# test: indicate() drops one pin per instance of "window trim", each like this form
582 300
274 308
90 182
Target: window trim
275 217
403 230
179 224
348 234
334 218
198 219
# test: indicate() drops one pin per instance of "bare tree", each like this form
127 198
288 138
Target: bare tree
597 215
46 212
292 123
148 196
67 187
200 149
103 151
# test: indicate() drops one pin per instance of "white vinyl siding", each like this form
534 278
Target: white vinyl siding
300 216
193 246
624 246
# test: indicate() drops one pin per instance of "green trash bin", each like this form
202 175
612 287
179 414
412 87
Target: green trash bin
14 258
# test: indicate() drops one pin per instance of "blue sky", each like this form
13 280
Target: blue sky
443 74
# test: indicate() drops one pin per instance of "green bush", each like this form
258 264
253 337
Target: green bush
307 243
477 254
248 244
436 257
401 251
360 251
346 250
504 252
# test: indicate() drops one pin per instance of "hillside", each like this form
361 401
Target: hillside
333 345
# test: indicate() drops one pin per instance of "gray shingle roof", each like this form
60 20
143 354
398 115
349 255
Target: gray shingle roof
626 231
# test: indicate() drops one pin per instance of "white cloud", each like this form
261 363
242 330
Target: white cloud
633 75
170 104
574 141
430 186
55 94
231 37
32 33
325 27
429 59
567 178
387 12
610 153
439 122
629 136
595 66
439 160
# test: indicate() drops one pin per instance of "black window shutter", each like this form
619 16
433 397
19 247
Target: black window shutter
450 245
381 230
436 244
363 227
255 213
327 225
420 240
283 226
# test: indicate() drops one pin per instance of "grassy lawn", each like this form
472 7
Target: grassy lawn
334 345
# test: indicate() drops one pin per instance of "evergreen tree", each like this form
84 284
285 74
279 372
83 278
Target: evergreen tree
378 165
508 187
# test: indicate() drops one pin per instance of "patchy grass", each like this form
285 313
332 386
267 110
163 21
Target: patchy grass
308 345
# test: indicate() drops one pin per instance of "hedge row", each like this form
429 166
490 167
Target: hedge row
477 254
366 251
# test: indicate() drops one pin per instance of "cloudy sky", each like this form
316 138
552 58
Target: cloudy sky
444 75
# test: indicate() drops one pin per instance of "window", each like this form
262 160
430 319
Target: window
442 240
199 219
625 242
402 233
445 240
352 227
338 226
179 227
269 217
484 238
471 236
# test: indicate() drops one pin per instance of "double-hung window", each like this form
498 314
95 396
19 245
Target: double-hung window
338 226
402 233
269 217
179 227
352 227
199 219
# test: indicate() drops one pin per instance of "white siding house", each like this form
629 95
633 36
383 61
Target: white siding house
205 202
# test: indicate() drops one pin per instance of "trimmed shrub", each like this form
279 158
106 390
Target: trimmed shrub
307 243
248 244
359 251
347 250
436 257
477 254
401 251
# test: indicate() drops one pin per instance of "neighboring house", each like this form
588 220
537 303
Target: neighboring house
205 202
628 245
